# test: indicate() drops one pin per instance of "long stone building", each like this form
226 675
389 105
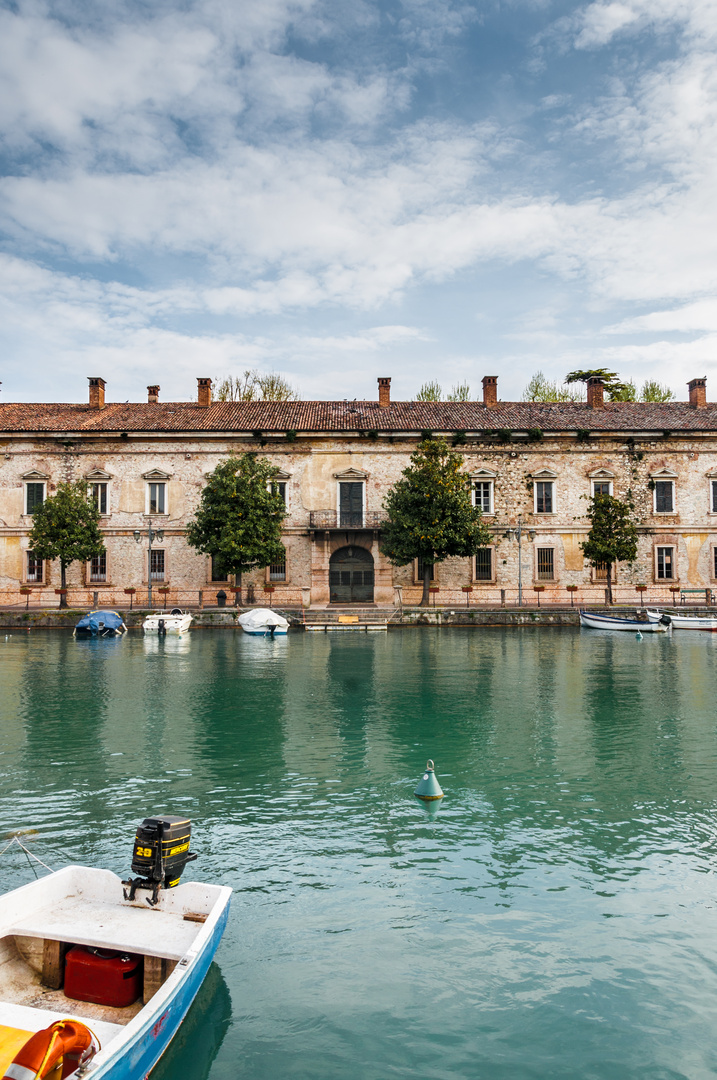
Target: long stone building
532 465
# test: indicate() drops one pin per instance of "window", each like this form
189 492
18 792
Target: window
545 564
351 505
217 574
600 572
277 571
278 487
420 567
714 562
157 501
483 496
34 497
484 564
602 487
664 497
98 567
544 502
156 565
714 497
34 568
665 564
98 494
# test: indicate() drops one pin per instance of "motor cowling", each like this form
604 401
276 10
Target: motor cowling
161 851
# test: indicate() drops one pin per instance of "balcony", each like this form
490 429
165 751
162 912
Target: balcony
332 519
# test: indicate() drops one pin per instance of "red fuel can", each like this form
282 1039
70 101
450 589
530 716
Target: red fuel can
103 976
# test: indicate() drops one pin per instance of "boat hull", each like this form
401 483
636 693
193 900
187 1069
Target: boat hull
684 622
607 622
138 1056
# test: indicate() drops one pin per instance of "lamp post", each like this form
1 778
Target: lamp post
151 534
518 533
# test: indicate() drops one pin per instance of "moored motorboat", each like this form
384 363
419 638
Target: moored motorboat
683 622
263 622
100 624
611 622
77 945
175 621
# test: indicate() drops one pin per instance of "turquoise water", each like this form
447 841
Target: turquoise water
556 918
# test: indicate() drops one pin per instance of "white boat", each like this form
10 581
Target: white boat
612 622
263 622
175 621
683 622
57 929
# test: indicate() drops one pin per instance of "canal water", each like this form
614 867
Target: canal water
555 918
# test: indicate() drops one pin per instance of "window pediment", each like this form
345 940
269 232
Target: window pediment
351 474
281 475
483 474
98 474
663 474
35 475
601 474
156 474
544 474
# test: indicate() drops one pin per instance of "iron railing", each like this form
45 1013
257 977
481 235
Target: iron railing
343 519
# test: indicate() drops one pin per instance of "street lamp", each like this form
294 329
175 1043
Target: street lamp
518 533
151 534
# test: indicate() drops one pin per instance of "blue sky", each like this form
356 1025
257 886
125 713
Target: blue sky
426 189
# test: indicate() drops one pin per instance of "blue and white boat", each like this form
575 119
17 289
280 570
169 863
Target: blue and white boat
596 621
263 622
172 933
100 624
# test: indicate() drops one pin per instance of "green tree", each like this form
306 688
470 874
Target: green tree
654 391
252 385
541 388
616 389
66 527
461 392
430 511
613 535
430 391
238 520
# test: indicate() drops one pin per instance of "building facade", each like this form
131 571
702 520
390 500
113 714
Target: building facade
532 465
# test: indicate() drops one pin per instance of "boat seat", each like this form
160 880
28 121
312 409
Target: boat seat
24 1021
149 932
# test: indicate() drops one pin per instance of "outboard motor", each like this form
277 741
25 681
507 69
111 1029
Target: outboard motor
161 851
161 627
666 620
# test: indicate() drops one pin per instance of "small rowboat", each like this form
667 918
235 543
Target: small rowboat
611 622
683 622
55 1008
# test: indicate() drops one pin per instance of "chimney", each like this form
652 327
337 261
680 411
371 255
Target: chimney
490 391
384 393
152 395
698 393
596 387
205 392
97 393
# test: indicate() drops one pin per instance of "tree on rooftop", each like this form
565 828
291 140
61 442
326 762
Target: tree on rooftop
654 391
431 513
66 527
613 535
616 389
543 389
430 391
252 385
238 520
461 392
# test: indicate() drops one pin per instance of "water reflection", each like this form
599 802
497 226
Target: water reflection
195 1046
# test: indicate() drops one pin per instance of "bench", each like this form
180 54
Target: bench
706 593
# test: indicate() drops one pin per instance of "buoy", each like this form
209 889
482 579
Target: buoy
638 635
428 787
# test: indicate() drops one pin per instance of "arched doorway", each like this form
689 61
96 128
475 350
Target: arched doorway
351 576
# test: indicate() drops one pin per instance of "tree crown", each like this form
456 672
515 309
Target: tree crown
613 535
66 526
238 520
431 515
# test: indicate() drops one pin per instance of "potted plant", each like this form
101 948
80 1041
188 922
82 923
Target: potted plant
572 589
434 589
61 593
538 589
130 592
26 591
641 589
674 589
236 589
467 589
164 589
269 588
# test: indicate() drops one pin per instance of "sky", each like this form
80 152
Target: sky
337 190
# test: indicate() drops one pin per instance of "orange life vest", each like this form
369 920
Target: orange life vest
68 1040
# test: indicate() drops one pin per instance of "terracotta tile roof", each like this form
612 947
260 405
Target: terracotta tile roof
353 416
